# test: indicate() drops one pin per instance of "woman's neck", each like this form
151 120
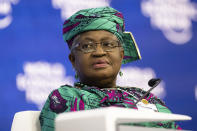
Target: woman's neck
104 83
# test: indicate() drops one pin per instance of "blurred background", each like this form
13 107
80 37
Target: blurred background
34 58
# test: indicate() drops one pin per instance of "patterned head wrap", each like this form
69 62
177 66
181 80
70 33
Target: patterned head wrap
104 18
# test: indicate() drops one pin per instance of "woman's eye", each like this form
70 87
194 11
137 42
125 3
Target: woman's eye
108 44
86 46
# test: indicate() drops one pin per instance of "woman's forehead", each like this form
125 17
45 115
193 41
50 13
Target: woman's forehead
96 35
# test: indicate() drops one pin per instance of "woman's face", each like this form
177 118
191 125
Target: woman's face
98 65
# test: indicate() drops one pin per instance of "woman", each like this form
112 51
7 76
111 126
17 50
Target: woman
98 46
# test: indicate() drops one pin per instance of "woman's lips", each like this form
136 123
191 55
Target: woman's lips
100 64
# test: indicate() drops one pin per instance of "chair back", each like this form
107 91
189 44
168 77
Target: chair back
26 121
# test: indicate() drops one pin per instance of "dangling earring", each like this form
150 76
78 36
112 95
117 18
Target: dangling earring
76 76
120 73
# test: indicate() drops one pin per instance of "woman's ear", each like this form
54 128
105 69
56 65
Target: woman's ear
122 53
72 59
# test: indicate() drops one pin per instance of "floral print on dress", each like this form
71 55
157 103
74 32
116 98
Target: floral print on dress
57 103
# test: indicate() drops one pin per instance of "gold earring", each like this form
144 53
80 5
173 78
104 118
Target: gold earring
120 73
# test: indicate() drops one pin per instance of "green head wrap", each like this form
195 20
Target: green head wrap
104 18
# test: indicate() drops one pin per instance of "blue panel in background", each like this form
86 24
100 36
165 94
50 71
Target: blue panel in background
35 34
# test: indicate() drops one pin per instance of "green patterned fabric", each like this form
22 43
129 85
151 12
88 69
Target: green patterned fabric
104 18
82 97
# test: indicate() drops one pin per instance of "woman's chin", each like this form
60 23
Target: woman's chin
102 70
102 73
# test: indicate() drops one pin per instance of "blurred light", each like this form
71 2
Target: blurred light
138 77
6 10
69 7
5 22
173 17
40 78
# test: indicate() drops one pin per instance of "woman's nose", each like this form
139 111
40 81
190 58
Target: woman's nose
99 50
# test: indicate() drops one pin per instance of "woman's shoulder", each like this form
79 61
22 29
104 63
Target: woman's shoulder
64 91
67 90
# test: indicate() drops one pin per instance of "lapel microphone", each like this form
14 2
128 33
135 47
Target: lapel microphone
152 83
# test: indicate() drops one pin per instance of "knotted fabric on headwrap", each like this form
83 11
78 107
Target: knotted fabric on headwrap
104 18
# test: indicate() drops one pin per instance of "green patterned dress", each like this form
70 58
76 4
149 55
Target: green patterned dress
82 97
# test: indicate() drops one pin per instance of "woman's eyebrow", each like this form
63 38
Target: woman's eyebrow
89 38
107 38
104 38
